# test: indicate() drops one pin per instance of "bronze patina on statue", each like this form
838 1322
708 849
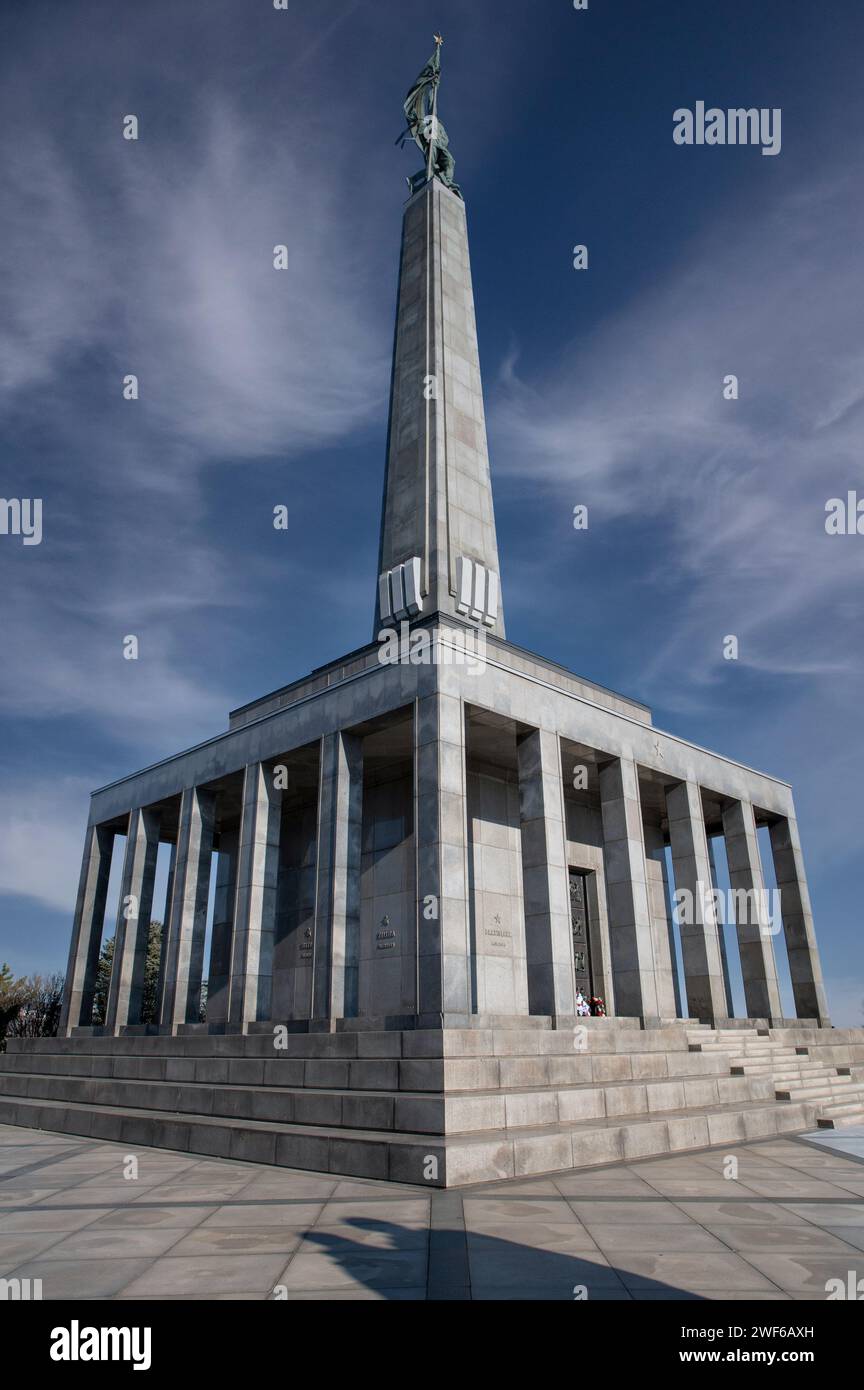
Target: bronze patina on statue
425 129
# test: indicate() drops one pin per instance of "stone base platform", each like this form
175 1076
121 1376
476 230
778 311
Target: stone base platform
447 1107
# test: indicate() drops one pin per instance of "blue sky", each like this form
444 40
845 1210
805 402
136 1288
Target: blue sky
603 387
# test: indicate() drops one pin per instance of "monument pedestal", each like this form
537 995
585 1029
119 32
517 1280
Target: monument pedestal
442 1107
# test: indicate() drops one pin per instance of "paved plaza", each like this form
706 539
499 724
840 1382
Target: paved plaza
192 1227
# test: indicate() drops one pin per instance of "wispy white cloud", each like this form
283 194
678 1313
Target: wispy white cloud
235 355
156 257
634 424
727 497
56 297
42 824
73 669
170 274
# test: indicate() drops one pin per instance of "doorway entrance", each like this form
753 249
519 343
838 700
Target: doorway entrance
581 928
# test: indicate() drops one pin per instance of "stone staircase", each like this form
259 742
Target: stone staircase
818 1071
444 1107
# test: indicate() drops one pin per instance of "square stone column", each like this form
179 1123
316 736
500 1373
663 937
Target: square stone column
700 943
753 925
163 949
132 934
548 929
251 985
665 970
631 929
721 935
441 832
335 960
805 969
187 925
87 930
221 937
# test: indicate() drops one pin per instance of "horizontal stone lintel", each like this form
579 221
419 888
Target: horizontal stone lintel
513 683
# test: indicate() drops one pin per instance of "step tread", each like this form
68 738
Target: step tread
784 1096
400 1136
373 1092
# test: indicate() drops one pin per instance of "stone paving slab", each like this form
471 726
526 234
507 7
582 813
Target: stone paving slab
790 1219
846 1142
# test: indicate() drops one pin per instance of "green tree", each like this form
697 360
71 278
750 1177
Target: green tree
202 1005
103 981
12 997
151 977
39 1015
150 1005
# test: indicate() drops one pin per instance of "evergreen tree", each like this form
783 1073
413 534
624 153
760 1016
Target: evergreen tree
151 977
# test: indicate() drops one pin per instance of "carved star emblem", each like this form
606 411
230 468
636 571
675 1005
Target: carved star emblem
498 918
385 921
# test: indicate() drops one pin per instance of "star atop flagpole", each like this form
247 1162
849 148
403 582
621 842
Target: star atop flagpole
438 39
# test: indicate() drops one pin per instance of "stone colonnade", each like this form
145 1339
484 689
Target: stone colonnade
437 941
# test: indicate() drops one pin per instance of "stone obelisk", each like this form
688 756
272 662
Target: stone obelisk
438 550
